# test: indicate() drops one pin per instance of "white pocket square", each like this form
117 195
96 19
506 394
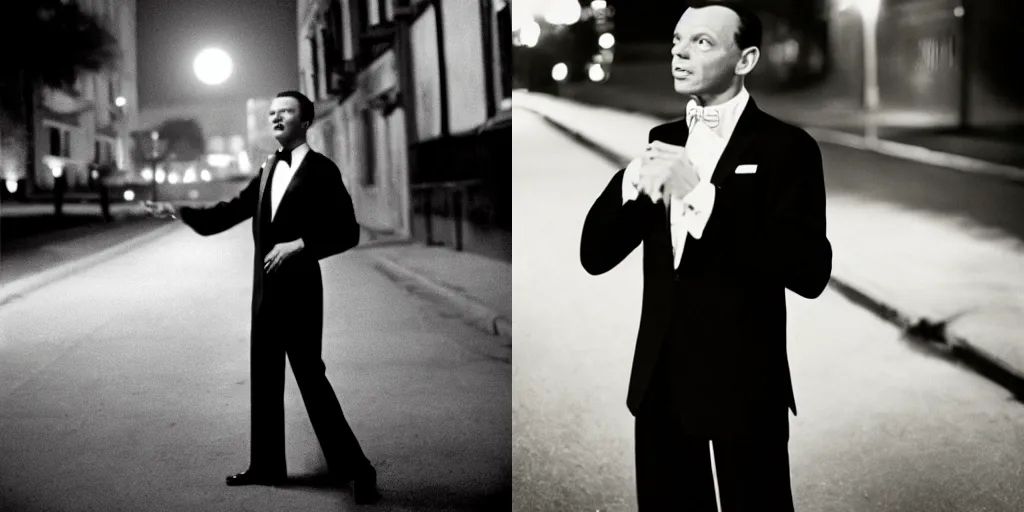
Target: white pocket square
746 169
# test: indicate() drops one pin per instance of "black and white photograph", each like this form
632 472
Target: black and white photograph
769 255
255 255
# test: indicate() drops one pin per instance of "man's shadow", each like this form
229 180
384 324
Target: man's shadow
931 337
316 480
426 497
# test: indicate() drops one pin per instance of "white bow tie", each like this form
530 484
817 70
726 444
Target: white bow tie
709 116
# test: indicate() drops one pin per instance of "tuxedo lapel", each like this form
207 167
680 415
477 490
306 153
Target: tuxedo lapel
742 136
296 177
262 208
268 171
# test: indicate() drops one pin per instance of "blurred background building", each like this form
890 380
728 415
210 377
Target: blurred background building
81 128
413 104
939 65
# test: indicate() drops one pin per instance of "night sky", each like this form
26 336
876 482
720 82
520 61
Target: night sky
259 35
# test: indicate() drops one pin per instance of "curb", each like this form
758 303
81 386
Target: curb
17 289
918 154
920 327
471 310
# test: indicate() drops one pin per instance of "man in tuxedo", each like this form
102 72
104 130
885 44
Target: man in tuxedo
301 213
744 194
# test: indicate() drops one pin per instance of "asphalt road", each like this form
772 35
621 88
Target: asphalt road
126 387
883 426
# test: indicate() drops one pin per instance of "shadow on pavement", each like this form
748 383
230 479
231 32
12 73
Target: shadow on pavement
931 338
425 498
322 480
990 369
440 498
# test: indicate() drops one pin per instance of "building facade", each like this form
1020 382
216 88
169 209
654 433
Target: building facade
89 125
394 80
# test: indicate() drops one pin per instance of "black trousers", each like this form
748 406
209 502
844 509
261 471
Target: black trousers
301 342
673 464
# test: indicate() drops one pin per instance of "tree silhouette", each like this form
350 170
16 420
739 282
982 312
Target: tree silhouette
45 43
184 138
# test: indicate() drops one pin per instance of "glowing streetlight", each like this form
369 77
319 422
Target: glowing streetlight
563 12
529 34
559 71
120 101
606 41
212 66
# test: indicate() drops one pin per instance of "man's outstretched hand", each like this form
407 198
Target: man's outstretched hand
280 254
161 209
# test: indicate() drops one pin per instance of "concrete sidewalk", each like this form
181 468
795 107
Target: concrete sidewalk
939 277
476 288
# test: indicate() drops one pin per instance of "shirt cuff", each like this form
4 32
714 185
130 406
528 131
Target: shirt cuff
697 206
630 178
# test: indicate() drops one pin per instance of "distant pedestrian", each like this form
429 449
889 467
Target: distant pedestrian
301 214
744 193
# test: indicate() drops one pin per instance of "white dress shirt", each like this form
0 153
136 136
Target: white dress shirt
705 144
283 174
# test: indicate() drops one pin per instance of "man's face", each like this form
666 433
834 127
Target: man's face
704 51
284 120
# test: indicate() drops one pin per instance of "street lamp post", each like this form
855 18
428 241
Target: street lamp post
963 119
869 18
155 136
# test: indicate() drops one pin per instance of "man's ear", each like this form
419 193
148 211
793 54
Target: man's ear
748 59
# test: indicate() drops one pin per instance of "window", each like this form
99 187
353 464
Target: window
364 15
505 50
333 39
373 12
104 152
369 150
60 143
315 61
54 141
112 90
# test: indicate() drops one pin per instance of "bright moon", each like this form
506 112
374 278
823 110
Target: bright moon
212 66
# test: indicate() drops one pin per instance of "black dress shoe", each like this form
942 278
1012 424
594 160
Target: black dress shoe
364 486
249 477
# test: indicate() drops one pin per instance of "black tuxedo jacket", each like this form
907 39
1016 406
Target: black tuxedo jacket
712 335
317 208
